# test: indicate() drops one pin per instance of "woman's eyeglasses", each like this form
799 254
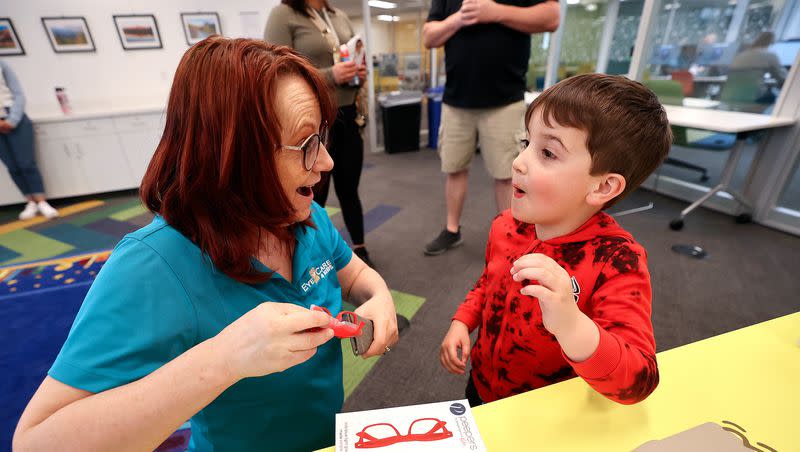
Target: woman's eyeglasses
310 147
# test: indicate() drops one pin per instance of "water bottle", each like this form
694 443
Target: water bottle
61 95
344 56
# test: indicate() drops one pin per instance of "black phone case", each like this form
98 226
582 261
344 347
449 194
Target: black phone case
361 343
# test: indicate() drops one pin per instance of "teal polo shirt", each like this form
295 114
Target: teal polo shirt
158 296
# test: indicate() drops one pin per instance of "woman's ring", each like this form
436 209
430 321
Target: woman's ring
388 350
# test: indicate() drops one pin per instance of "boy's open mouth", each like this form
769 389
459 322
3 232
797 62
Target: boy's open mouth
518 192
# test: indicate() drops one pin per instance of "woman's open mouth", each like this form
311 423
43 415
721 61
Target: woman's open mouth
306 191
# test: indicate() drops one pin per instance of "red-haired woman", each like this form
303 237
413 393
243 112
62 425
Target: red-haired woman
204 314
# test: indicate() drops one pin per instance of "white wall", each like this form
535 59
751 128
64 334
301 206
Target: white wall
382 38
111 74
383 33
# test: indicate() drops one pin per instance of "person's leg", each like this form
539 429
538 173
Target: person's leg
455 194
350 151
9 159
322 188
457 135
22 146
501 130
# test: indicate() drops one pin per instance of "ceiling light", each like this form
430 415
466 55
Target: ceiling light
381 4
387 18
591 7
573 2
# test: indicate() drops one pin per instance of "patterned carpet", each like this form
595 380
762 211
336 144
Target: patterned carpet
84 227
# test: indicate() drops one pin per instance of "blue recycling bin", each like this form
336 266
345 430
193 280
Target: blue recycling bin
434 115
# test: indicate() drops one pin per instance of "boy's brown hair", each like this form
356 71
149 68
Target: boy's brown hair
626 127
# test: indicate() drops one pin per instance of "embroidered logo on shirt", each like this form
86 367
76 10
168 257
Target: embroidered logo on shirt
317 273
576 289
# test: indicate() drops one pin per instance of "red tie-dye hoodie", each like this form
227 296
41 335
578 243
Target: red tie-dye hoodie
514 352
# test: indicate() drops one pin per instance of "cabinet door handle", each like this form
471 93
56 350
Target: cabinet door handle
66 150
80 151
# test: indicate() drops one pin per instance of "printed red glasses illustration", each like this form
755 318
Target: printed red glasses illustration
341 328
377 437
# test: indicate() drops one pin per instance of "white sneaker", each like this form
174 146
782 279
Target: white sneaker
47 210
30 211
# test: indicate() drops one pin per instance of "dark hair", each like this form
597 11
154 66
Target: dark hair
301 5
627 130
213 176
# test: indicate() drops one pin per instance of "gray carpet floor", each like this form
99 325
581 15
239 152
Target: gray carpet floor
748 277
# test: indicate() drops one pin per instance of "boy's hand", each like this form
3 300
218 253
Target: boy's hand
457 338
544 279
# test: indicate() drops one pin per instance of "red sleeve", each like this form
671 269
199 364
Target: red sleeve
469 312
623 368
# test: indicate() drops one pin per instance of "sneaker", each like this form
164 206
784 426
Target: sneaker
444 242
47 210
364 255
30 211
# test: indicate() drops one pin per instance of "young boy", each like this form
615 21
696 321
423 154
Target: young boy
565 290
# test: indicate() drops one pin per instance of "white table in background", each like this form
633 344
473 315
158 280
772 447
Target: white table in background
739 123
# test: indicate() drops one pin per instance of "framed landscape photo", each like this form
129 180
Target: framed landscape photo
68 34
198 26
9 41
138 31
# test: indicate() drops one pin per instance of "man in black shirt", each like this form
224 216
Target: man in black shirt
487 46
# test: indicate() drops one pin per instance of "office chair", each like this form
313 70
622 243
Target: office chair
743 91
670 92
686 79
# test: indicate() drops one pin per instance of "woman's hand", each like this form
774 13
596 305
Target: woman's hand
271 338
344 72
5 127
380 309
457 338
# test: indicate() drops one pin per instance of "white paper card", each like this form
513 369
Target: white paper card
429 427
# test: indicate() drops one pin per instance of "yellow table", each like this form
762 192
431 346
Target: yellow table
750 377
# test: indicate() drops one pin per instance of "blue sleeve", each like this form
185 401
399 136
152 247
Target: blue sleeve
341 252
18 107
135 318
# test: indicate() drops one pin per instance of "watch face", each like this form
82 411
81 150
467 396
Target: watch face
362 342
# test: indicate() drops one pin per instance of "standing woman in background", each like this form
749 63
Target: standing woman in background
316 30
16 146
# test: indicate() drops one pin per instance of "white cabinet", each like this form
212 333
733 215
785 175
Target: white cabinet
139 136
61 169
85 156
103 163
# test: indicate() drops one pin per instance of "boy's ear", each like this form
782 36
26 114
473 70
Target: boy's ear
608 187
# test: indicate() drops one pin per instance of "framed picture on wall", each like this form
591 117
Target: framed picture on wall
68 34
198 26
9 41
138 31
